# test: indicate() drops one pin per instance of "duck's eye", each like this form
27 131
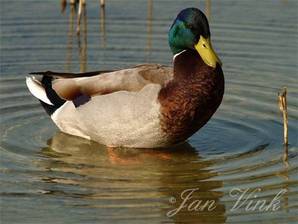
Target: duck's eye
189 26
204 45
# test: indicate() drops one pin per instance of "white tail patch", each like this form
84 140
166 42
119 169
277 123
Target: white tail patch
37 90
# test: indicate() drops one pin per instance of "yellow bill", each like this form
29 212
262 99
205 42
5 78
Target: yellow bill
206 52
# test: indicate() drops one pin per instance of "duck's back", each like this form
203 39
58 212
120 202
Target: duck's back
119 108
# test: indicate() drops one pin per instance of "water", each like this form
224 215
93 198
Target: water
50 177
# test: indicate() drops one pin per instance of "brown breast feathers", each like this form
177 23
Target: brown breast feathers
191 98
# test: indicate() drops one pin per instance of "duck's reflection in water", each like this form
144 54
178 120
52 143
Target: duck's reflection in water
140 181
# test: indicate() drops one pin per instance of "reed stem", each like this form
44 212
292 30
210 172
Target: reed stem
102 3
282 102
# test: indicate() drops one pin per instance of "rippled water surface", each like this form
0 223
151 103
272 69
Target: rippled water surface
50 177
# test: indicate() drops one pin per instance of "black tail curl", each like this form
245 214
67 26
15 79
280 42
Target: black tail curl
52 96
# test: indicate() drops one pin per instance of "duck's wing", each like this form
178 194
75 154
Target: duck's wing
69 75
69 86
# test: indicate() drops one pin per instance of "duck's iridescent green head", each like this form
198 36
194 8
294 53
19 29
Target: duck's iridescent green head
190 30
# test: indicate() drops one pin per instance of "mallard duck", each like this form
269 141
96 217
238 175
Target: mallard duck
147 106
